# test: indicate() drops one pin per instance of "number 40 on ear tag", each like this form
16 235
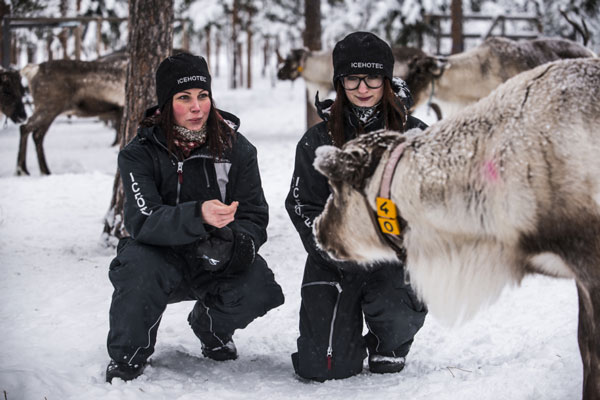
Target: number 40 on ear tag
386 216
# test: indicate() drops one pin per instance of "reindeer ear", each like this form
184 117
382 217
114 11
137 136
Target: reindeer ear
329 163
340 165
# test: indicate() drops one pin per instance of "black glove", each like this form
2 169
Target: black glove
225 250
214 253
243 252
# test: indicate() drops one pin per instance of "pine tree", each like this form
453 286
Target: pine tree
150 41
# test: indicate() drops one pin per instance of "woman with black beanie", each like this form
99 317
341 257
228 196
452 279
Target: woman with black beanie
335 295
197 215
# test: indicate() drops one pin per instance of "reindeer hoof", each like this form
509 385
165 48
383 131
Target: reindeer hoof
21 171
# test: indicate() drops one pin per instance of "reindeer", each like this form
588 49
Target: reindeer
509 186
12 93
81 88
316 67
464 78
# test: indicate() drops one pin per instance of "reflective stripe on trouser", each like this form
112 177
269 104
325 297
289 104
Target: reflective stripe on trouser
390 309
147 278
236 301
142 277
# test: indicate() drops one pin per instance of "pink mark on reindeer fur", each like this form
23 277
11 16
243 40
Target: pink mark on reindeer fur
490 171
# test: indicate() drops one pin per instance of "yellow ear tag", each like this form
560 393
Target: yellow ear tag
386 216
300 69
385 208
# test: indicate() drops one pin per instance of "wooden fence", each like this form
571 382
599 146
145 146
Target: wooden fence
75 24
497 22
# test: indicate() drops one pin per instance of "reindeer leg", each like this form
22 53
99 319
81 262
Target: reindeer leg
117 126
38 138
22 155
589 336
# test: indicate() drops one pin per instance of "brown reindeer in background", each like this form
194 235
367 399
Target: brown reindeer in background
81 88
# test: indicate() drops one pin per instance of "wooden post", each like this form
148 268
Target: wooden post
185 40
98 35
249 58
4 34
78 34
5 43
63 37
241 64
457 29
263 72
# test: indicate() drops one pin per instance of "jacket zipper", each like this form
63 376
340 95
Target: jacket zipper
335 308
180 174
180 168
179 179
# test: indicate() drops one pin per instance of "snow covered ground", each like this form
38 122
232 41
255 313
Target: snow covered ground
55 293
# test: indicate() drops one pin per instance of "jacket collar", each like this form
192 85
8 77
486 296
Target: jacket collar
155 134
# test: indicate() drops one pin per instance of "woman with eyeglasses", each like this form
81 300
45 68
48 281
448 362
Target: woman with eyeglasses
336 295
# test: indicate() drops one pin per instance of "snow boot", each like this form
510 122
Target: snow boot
381 364
124 371
221 352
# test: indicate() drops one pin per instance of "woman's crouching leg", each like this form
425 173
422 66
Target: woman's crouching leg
236 300
143 276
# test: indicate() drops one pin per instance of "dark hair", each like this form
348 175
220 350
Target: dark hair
219 135
394 112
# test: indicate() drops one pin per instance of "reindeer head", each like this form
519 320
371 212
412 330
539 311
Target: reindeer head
11 95
421 71
292 65
346 229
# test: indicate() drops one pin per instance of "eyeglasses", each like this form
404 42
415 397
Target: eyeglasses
352 82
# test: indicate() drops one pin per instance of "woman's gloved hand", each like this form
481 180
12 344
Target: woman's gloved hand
225 250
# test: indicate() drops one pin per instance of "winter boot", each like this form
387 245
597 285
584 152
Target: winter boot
221 352
124 371
381 364
217 346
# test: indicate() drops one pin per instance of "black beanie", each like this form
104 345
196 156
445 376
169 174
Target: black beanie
180 72
362 53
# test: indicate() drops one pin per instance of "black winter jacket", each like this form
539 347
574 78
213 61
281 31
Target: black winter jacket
309 189
163 194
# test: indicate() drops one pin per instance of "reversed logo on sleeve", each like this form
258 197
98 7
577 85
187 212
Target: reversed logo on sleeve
298 207
139 198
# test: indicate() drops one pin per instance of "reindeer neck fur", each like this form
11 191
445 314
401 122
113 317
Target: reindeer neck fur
470 186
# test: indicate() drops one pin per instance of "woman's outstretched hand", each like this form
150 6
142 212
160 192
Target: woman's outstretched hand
218 214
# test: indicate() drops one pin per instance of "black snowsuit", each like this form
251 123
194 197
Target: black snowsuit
331 344
157 264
